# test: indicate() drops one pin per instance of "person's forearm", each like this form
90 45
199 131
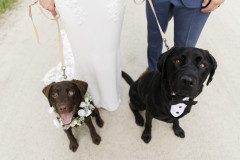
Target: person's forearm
49 5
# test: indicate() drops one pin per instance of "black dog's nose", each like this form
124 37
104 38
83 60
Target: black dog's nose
187 80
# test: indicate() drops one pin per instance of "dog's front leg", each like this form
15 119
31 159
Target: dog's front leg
99 120
146 135
177 129
95 137
73 142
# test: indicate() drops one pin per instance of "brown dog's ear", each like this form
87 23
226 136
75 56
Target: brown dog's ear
82 86
46 91
214 67
162 60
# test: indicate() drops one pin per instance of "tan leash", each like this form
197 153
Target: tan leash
160 29
63 67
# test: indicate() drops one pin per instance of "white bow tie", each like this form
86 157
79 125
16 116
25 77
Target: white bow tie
178 109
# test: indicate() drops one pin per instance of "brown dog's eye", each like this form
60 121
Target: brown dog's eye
202 65
55 95
71 93
177 61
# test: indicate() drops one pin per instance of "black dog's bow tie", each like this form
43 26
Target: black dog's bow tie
177 99
178 106
188 103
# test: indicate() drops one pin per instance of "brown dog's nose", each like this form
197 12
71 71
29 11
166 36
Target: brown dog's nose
63 108
188 81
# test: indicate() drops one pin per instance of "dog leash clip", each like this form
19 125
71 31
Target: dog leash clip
64 72
165 42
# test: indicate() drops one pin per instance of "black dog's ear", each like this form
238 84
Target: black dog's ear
82 86
162 59
46 91
214 66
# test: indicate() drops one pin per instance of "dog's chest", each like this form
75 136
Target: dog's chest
174 110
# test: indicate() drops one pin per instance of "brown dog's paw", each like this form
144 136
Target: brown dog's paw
96 139
100 122
73 146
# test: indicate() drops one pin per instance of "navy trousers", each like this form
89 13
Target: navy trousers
188 24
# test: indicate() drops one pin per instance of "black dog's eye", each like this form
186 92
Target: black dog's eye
55 95
202 65
177 61
71 93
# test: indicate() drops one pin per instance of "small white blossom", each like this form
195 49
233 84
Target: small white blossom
83 104
56 123
91 107
88 112
61 122
81 112
87 103
72 124
51 109
75 121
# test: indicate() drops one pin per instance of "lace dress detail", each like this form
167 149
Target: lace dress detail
114 9
78 10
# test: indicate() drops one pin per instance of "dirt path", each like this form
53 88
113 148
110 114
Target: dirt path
26 129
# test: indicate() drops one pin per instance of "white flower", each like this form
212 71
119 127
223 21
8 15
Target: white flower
61 122
51 109
90 98
91 107
74 121
86 99
56 123
72 124
83 104
87 103
88 112
81 112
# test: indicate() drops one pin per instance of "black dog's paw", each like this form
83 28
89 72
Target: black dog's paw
96 139
139 120
73 146
100 122
146 136
179 132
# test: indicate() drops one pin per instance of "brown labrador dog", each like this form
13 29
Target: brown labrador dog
66 97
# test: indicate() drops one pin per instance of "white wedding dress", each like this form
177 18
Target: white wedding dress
91 39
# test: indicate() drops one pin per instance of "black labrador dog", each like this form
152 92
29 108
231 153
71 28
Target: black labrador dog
168 93
66 97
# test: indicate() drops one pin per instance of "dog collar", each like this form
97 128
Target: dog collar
85 110
178 109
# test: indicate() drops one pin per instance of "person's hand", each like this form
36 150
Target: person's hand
49 5
214 4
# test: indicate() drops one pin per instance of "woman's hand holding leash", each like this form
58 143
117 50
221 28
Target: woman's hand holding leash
49 5
211 5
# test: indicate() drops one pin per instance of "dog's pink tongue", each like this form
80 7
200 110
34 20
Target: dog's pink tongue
66 118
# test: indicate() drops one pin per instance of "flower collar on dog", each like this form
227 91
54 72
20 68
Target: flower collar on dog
85 111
